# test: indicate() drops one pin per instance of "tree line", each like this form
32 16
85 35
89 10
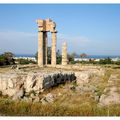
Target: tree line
7 58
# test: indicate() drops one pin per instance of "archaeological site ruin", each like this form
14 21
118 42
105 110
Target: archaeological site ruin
45 26
28 82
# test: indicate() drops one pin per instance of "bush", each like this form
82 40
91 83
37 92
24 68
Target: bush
7 59
105 61
25 61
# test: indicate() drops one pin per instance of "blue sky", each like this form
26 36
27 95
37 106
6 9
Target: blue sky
92 29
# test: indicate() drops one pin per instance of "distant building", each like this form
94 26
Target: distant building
26 58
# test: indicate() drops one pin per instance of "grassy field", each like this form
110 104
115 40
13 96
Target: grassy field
20 108
70 102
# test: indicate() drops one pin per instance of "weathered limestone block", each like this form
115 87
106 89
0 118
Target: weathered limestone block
39 84
30 81
4 84
10 92
47 82
82 77
109 99
19 85
57 78
18 95
36 99
10 83
34 82
49 98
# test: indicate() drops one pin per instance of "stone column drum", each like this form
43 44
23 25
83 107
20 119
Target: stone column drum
45 48
53 52
64 54
40 48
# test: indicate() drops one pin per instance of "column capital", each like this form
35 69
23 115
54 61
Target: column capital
55 31
40 31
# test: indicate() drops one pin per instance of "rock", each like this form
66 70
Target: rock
32 95
96 98
12 83
80 89
82 77
30 99
10 92
86 88
26 99
59 94
109 99
113 79
43 101
111 94
37 99
18 95
13 66
30 81
49 98
4 84
47 83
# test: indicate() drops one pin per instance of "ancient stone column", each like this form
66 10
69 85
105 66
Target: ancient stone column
40 48
64 54
53 52
45 48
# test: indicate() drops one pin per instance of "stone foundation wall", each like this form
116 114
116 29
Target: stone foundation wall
19 84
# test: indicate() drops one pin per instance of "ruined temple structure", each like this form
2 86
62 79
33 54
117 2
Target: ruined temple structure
45 26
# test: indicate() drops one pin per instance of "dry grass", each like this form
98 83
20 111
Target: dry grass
20 108
6 69
69 103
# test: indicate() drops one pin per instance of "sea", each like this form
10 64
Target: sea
102 56
89 56
24 55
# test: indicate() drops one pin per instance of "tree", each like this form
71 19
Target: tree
7 59
71 57
36 56
105 61
2 60
49 55
58 56
83 55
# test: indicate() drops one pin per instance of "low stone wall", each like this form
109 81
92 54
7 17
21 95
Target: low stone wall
77 67
21 84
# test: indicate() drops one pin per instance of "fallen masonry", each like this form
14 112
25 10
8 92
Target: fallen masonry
111 94
19 85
